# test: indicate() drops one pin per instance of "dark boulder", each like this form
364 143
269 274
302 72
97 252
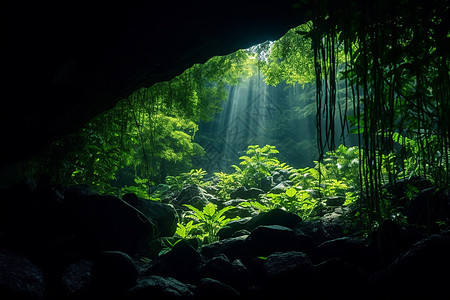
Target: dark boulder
232 247
266 183
105 223
113 271
287 273
274 217
244 193
76 279
421 272
341 280
209 288
232 227
392 239
157 287
281 187
430 207
219 268
195 196
319 231
20 279
266 240
353 251
402 190
181 262
164 216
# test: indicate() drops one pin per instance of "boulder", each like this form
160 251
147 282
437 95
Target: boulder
241 276
209 288
218 268
76 279
430 207
319 231
195 196
268 239
244 193
164 216
341 280
266 183
400 189
106 223
420 272
281 187
20 279
353 251
392 239
232 248
274 217
157 287
181 262
288 273
113 271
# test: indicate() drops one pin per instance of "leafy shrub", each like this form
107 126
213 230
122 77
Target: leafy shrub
193 177
208 222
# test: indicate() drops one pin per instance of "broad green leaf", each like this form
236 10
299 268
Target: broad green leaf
291 192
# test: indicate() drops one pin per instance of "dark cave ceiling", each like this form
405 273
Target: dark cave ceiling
64 63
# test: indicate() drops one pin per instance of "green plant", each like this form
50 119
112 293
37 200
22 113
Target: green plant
209 221
140 188
258 163
227 183
187 231
193 177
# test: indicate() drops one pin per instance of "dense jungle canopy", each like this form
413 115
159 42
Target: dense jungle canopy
375 71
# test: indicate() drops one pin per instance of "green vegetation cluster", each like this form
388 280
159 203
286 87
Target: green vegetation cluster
380 75
308 191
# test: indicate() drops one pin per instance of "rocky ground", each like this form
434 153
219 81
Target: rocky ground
70 243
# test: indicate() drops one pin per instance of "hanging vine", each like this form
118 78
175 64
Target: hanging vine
397 71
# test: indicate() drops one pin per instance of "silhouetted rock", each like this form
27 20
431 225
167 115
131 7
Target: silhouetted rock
421 272
107 223
274 217
20 279
232 227
266 240
399 190
266 183
164 216
113 271
281 187
285 274
219 268
232 247
241 276
181 262
319 231
76 279
429 208
157 287
354 251
244 193
209 288
392 239
195 196
341 280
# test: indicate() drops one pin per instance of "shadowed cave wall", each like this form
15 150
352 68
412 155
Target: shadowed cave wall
64 63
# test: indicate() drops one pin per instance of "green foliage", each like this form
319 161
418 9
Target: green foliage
291 58
393 58
140 188
311 187
193 177
257 164
209 221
